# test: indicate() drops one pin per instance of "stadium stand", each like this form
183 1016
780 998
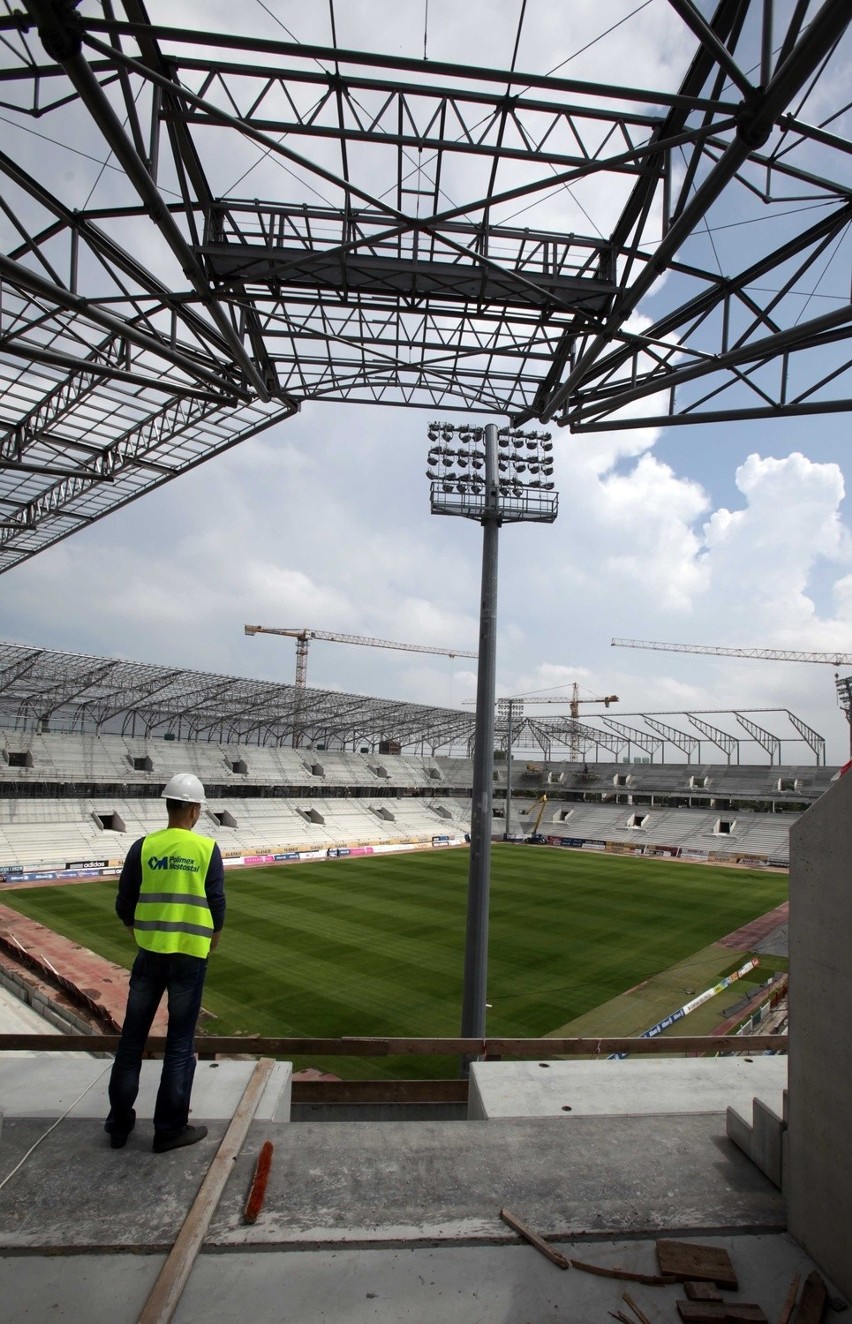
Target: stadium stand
71 798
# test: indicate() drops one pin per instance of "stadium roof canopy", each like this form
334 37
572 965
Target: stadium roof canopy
45 690
208 220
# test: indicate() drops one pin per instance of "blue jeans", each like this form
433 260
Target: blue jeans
154 974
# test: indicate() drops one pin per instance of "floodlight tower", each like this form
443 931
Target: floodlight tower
496 476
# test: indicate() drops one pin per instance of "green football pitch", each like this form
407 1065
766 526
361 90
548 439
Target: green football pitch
375 945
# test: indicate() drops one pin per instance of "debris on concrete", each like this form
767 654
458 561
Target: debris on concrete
257 1192
698 1263
534 1239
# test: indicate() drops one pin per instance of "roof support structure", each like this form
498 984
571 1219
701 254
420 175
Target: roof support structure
423 233
764 738
727 743
810 737
680 739
650 744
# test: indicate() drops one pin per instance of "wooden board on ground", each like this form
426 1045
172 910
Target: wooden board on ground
702 1291
534 1239
683 1259
166 1292
721 1312
813 1299
789 1301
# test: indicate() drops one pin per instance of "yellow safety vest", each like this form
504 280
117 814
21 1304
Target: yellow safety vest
172 914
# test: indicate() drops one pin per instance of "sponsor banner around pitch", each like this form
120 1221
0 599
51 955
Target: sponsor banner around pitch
56 875
695 1002
578 843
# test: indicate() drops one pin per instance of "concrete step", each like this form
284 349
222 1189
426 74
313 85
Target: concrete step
763 1139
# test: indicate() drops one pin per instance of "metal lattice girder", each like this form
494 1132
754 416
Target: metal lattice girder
651 744
680 739
767 741
727 743
409 231
810 737
42 689
571 734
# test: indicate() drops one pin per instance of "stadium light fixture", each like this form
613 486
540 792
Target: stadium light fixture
467 479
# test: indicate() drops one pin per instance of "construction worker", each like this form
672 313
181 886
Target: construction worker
171 896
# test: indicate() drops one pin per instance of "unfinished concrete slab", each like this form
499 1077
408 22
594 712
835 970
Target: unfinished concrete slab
46 1090
347 1184
384 1285
632 1086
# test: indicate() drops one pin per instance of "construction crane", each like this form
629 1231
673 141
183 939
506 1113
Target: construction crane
767 654
573 707
541 803
303 638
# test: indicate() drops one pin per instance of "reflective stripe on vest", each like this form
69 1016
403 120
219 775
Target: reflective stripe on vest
172 914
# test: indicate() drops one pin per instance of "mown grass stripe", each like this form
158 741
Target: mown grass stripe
375 946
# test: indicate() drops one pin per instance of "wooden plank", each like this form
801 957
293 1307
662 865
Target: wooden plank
812 1303
357 1046
702 1291
534 1240
640 1314
790 1301
721 1312
380 1091
701 1312
684 1259
626 1275
166 1292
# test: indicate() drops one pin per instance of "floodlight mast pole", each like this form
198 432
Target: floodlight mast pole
479 871
485 478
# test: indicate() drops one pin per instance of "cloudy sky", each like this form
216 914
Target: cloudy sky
734 536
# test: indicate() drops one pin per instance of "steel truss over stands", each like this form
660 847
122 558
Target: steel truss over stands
617 741
203 229
43 690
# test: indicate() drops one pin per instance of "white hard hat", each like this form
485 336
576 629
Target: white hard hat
185 786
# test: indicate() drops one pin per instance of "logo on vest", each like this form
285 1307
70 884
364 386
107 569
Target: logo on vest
179 862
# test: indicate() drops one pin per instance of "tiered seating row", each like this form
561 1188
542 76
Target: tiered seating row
55 833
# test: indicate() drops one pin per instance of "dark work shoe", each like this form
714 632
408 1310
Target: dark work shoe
118 1135
190 1135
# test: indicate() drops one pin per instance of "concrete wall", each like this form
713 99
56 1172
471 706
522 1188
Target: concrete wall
819 1188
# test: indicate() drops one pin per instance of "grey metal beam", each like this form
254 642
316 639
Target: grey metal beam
756 122
680 739
67 50
728 744
764 738
811 738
